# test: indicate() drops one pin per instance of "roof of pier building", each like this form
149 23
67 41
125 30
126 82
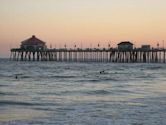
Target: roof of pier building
33 41
125 43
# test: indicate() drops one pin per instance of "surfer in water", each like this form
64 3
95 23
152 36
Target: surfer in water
101 72
16 77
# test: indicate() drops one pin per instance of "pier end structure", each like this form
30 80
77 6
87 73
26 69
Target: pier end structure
28 48
33 43
125 46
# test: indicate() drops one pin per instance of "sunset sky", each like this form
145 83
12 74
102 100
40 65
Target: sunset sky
82 21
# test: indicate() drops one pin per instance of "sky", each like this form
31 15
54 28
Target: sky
82 22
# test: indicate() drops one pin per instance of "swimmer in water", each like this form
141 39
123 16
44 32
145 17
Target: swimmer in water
102 72
16 77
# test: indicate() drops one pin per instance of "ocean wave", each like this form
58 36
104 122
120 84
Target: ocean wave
78 92
8 93
96 80
59 77
146 76
8 102
98 92
154 67
4 85
45 76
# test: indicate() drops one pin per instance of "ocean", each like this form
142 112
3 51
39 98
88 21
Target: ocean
61 93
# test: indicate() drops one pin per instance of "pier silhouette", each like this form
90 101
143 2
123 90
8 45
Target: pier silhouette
34 49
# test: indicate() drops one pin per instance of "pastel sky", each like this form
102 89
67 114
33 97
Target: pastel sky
86 22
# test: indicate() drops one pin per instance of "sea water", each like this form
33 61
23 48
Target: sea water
68 93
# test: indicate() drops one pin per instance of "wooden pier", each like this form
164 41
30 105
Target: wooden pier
114 55
34 49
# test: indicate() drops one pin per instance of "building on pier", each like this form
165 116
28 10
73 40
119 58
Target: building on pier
125 45
145 47
33 43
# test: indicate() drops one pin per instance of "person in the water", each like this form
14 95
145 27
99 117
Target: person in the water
101 72
16 77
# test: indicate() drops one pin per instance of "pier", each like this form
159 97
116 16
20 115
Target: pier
91 55
34 49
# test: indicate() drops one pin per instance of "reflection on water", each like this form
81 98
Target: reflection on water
20 114
76 93
159 88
